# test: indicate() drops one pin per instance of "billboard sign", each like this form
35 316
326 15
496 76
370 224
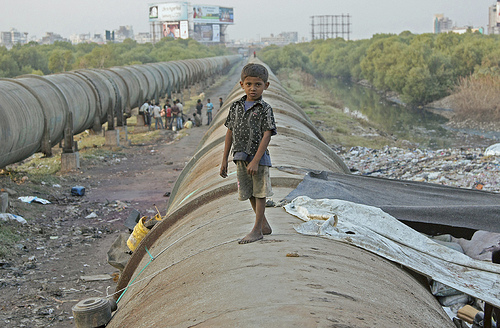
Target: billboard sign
498 13
184 28
205 14
168 12
226 15
216 33
171 30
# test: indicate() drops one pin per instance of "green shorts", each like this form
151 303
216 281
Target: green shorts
258 185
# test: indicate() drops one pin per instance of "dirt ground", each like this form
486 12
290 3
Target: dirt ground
68 239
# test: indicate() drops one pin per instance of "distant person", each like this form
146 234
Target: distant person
143 111
197 119
150 113
181 109
157 117
168 115
210 108
220 102
254 54
188 124
250 125
199 107
175 117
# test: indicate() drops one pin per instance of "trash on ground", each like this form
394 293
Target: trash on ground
97 277
31 199
8 217
78 191
91 216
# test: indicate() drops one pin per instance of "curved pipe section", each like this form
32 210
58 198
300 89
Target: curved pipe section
35 109
189 270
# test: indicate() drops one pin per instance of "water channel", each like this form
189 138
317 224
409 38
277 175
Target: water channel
413 124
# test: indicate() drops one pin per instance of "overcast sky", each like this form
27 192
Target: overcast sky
253 18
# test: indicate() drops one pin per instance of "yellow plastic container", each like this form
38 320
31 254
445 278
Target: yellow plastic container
139 232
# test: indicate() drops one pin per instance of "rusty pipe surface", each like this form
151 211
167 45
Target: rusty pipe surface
190 271
34 109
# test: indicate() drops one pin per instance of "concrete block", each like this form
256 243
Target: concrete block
112 138
140 120
4 202
70 161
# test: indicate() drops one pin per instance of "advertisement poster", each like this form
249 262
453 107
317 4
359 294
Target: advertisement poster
168 12
184 29
498 12
171 30
153 13
205 14
216 33
226 15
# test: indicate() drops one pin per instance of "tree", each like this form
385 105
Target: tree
60 60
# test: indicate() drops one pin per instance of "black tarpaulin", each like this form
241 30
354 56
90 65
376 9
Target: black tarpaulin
409 201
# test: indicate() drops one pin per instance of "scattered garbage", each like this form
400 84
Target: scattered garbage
493 150
468 168
132 219
91 216
97 277
78 191
8 217
31 199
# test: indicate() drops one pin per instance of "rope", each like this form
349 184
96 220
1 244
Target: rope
152 258
133 282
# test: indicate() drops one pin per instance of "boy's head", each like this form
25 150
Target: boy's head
254 70
254 81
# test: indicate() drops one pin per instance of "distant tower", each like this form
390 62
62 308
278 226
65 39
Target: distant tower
331 26
494 19
442 24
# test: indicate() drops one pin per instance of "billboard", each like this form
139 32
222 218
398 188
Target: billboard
216 33
212 14
226 15
168 12
205 14
498 13
184 29
171 30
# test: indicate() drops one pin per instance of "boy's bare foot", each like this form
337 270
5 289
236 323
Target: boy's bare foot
251 237
266 228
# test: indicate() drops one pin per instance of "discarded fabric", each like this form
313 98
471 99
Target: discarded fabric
31 199
78 191
376 231
8 216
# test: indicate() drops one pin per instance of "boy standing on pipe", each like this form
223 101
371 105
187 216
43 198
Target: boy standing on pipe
250 125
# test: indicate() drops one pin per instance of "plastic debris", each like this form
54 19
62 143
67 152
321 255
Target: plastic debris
8 216
78 191
465 168
91 216
493 150
31 199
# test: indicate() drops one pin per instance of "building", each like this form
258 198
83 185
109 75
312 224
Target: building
494 19
8 39
203 23
283 38
442 24
124 32
51 37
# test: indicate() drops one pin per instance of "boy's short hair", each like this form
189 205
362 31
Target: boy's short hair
254 70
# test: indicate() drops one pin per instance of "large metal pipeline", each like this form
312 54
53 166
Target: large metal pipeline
190 271
35 111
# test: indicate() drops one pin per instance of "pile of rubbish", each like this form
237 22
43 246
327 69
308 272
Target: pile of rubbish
464 168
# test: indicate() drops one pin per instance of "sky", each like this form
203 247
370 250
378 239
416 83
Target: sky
253 18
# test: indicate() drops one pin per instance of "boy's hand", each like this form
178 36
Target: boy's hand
223 169
252 167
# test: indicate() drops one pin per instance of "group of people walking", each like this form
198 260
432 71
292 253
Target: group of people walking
172 117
